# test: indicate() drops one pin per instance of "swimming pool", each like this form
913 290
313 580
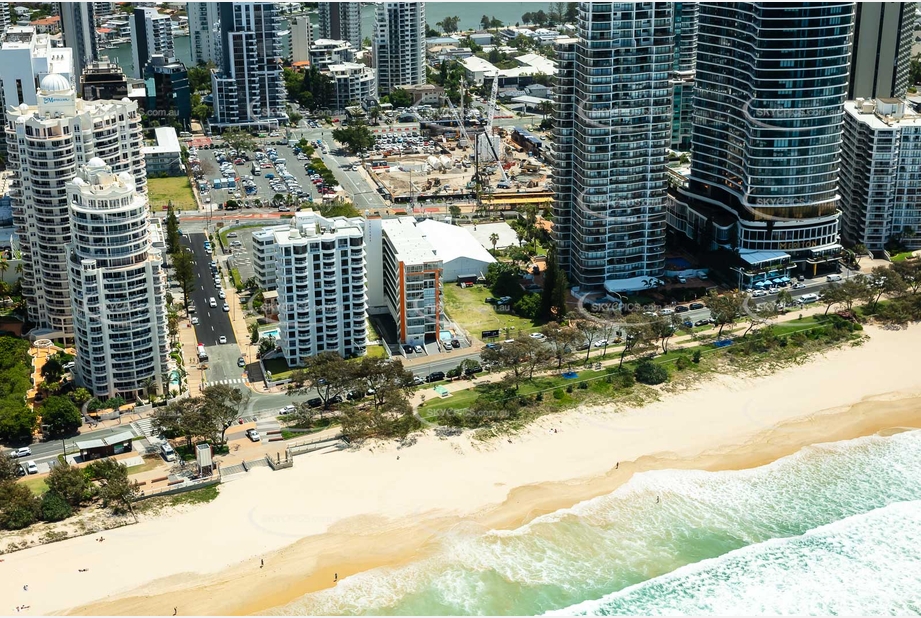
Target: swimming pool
274 332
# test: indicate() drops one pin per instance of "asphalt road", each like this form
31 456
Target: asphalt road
214 322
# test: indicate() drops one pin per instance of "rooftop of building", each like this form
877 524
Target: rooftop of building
453 242
308 224
409 241
167 142
883 113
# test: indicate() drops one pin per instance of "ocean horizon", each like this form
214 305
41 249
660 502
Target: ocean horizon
832 529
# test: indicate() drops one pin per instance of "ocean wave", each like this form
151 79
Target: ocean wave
867 564
625 538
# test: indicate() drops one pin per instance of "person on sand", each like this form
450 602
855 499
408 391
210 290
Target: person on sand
335 578
261 563
174 610
657 499
617 465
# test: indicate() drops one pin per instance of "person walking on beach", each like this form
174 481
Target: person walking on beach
174 610
335 578
261 563
657 499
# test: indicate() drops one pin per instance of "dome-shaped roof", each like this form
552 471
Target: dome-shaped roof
55 83
96 162
126 178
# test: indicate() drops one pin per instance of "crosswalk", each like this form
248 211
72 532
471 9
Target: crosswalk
229 381
144 427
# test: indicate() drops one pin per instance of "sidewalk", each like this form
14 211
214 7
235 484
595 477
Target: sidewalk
675 344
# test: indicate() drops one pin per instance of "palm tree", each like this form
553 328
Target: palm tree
148 385
494 239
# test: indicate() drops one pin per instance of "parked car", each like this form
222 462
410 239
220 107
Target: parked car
537 336
31 468
681 309
798 285
289 409
194 321
226 307
435 376
222 339
25 451
221 294
241 362
232 235
455 343
253 435
316 402
418 349
696 305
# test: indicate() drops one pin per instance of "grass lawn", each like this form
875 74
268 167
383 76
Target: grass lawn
223 233
149 464
376 351
372 332
196 496
468 308
176 189
36 485
901 257
278 367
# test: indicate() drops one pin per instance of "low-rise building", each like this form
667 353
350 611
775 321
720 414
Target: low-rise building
317 266
165 156
324 52
478 70
353 83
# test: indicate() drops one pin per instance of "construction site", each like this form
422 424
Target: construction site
455 162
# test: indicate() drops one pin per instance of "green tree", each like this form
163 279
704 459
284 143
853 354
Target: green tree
52 370
399 97
449 24
639 337
648 372
562 341
725 309
254 333
572 12
9 469
883 280
484 22
560 293
910 272
222 405
61 416
70 483
663 329
494 239
172 230
184 270
455 210
17 421
327 373
548 294
239 140
54 508
528 306
19 508
357 137
115 489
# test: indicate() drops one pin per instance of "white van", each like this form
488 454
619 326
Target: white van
833 278
212 302
167 452
805 299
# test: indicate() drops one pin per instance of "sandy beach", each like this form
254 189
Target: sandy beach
345 512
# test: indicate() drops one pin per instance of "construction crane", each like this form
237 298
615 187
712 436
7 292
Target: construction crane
490 117
463 140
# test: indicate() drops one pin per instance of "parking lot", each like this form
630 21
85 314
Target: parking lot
266 183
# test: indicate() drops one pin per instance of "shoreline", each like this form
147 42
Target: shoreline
235 592
361 509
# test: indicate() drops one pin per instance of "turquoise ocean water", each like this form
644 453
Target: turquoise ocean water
833 529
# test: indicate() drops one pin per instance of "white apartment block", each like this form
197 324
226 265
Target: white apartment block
46 144
26 58
324 52
249 89
880 181
317 266
151 34
115 259
411 279
399 45
205 30
354 83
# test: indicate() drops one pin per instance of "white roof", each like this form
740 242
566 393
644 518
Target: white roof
477 64
482 231
633 284
410 244
536 61
452 242
167 142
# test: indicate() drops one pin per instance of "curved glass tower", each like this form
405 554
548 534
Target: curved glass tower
771 83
